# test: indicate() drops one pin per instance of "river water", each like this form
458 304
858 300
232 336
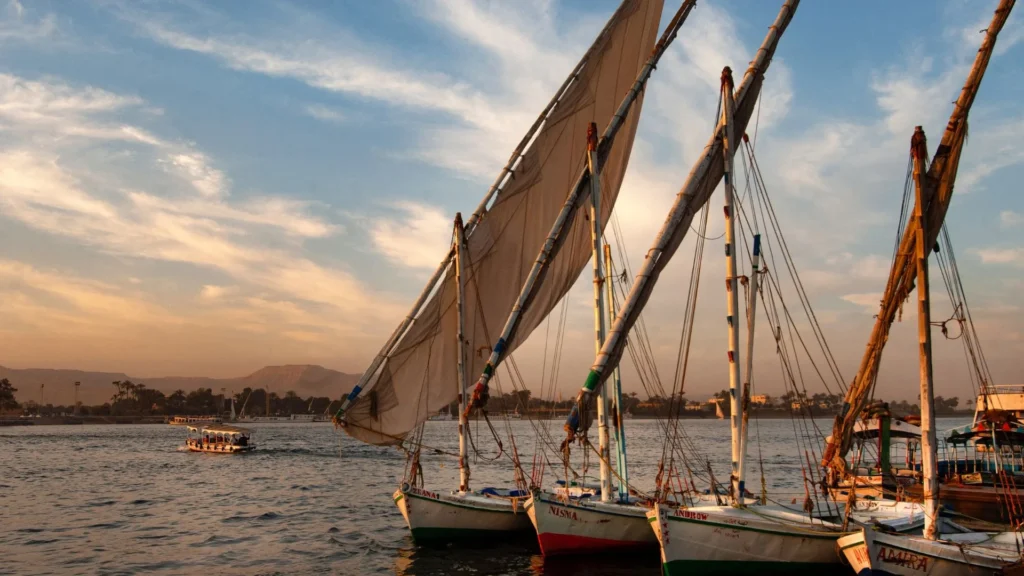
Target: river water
126 499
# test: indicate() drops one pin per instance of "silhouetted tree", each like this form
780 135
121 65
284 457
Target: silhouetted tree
7 391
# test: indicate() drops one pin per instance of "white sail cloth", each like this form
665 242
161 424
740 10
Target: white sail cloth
419 376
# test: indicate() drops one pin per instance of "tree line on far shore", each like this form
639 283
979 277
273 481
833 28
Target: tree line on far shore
135 399
130 398
523 402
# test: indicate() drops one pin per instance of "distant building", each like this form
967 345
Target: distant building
759 399
696 406
796 405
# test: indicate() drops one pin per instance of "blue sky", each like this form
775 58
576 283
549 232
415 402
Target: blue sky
206 188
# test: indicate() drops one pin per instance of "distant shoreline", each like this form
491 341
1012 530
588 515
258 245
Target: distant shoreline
81 420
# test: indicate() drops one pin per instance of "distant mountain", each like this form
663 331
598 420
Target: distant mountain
58 385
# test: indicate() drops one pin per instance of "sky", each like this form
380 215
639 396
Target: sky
190 188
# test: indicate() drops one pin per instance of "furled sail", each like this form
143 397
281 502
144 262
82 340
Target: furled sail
938 191
418 377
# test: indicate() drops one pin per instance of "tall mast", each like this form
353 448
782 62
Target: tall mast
755 261
699 184
564 219
620 430
599 310
938 192
463 383
919 151
731 287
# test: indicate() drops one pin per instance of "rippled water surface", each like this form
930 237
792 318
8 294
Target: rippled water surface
127 500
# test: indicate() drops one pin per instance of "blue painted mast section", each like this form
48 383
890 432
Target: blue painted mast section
755 261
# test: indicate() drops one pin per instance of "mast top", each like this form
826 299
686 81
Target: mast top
727 78
919 144
592 137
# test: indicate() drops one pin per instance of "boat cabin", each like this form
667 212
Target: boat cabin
219 439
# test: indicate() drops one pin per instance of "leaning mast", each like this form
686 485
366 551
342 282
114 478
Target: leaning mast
463 382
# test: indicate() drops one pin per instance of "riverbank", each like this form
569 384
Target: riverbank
66 420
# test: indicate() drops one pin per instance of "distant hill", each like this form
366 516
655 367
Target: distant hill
58 385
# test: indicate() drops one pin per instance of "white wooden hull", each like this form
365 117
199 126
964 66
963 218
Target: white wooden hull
457 516
727 540
873 553
575 527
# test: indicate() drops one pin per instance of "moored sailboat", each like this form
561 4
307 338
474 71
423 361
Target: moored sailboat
873 552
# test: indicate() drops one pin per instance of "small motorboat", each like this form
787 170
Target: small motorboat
219 439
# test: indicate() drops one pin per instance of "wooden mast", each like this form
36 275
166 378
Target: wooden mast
463 383
599 311
620 430
919 152
755 261
731 288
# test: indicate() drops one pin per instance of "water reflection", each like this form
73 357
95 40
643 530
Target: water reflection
517 560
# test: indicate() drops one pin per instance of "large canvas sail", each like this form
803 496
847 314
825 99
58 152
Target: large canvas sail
419 376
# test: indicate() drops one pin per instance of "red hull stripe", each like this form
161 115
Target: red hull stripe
554 544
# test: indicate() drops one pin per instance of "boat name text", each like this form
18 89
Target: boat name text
903 558
693 515
562 513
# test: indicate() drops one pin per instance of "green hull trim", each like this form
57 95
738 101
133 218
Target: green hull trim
757 568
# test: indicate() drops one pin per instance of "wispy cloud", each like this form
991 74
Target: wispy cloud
1009 219
195 223
18 26
51 108
211 292
325 113
415 238
1014 256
